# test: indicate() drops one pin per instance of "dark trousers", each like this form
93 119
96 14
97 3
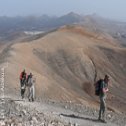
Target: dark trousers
102 110
22 86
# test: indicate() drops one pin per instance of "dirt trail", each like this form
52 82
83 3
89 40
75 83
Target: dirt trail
65 115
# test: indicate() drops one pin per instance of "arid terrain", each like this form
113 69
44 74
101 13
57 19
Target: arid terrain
66 63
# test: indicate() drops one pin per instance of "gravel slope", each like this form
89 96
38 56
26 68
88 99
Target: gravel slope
50 113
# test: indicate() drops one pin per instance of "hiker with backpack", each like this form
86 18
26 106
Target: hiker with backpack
23 78
101 89
31 87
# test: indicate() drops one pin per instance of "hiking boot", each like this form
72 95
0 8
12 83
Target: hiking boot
104 121
22 96
99 118
32 99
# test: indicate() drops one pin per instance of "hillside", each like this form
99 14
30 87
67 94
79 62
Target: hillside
65 64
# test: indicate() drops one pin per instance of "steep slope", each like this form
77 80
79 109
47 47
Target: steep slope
66 63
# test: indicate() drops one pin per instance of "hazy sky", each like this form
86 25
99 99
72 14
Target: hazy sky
107 8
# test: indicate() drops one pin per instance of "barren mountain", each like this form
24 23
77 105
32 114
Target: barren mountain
66 63
15 27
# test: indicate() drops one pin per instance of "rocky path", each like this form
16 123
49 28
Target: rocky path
23 113
65 115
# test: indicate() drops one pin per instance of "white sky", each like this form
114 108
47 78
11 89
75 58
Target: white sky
114 9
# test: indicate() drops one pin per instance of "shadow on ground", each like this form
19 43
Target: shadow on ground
83 118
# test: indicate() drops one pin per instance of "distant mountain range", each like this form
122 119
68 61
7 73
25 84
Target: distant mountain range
32 23
14 25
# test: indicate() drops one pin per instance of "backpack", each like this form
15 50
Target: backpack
98 87
23 75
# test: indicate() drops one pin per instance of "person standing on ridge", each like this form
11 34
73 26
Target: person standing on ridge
31 87
23 78
102 97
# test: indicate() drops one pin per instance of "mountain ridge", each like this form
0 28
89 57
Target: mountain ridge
65 64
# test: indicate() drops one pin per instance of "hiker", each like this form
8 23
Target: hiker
31 88
23 78
102 96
